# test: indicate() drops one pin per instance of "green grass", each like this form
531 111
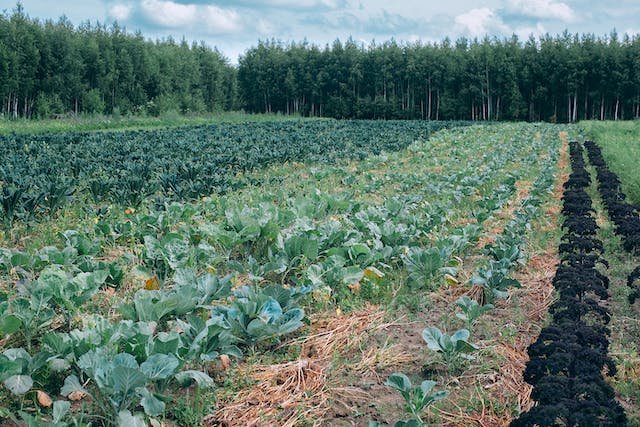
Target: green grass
620 143
87 123
624 324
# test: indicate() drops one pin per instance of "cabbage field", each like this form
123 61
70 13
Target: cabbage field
317 272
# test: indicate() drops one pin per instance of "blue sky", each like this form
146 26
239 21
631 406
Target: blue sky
234 26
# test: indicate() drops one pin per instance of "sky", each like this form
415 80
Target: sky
234 26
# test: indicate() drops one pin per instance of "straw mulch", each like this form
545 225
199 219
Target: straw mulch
304 390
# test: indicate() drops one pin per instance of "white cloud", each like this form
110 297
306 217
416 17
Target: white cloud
168 13
211 19
632 32
332 4
120 12
544 9
478 22
265 27
221 20
523 33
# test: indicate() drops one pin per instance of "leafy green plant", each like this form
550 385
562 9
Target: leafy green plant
27 315
58 191
60 410
189 292
205 340
69 294
495 280
417 399
11 202
17 368
122 383
156 305
453 348
424 265
257 314
471 310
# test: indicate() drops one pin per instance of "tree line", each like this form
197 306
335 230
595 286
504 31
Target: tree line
562 78
49 68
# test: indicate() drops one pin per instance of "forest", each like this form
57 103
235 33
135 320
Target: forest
563 78
51 68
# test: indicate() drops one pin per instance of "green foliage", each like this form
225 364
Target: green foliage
178 314
417 399
205 341
620 148
122 382
18 368
426 265
481 79
471 310
495 280
92 102
453 348
180 163
260 314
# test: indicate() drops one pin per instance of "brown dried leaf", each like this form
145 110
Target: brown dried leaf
77 395
225 361
43 399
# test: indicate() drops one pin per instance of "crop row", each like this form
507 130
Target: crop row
40 173
492 280
182 313
625 216
568 359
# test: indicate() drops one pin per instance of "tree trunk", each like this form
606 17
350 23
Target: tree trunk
531 107
586 104
617 108
488 117
429 101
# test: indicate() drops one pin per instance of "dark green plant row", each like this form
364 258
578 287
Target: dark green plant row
40 173
568 361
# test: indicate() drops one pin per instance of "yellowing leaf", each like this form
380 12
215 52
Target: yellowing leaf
152 284
373 273
451 280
